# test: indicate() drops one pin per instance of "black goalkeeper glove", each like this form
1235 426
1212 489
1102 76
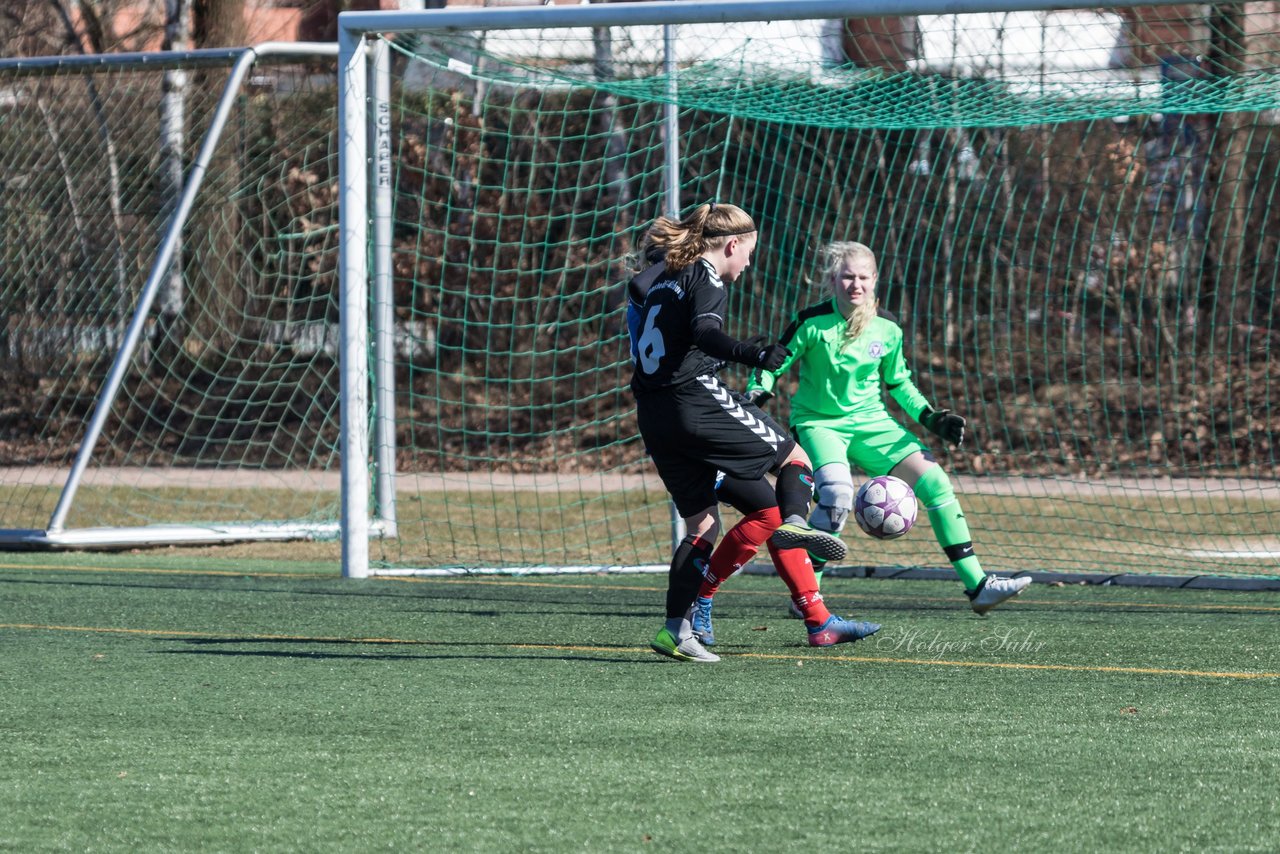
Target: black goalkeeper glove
759 396
762 353
771 357
944 423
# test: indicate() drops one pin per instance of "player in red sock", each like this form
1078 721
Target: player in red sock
692 424
761 516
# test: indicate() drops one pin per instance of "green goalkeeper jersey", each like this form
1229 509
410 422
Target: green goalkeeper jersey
840 381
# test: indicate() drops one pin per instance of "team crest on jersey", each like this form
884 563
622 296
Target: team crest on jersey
876 349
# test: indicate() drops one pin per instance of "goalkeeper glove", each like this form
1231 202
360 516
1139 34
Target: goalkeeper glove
764 354
759 396
771 357
944 423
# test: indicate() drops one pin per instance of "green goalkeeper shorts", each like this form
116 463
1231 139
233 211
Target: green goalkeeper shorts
874 445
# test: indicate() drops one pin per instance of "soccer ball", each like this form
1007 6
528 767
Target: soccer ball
885 507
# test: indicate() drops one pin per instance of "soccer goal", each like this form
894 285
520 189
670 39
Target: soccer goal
168 236
1071 206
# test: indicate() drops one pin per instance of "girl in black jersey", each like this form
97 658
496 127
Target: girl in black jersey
694 428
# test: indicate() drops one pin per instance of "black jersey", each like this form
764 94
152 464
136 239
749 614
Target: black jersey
664 333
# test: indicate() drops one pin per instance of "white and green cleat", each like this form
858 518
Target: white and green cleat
799 535
993 590
689 649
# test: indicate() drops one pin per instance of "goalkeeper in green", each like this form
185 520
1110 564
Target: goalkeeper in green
848 352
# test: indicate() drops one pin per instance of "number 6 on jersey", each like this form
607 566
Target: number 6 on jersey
651 348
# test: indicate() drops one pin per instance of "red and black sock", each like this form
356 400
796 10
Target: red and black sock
738 547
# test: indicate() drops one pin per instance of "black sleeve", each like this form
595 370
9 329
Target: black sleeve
708 302
712 340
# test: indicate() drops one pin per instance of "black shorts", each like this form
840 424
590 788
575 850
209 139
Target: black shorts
694 430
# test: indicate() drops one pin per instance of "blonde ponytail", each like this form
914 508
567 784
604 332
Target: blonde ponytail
707 226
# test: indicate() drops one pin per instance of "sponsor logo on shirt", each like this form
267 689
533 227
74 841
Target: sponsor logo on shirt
669 284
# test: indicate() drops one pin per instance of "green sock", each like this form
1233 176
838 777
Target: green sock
952 532
970 571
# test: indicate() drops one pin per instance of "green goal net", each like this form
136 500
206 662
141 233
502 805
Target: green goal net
1071 211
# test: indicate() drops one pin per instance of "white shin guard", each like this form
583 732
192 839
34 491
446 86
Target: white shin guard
833 489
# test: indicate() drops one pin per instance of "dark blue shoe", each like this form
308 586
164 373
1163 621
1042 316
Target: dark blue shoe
836 630
701 619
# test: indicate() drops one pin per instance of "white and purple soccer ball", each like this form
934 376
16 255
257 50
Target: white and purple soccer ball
885 507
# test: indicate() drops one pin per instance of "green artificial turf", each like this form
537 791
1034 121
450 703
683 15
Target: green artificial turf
155 702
